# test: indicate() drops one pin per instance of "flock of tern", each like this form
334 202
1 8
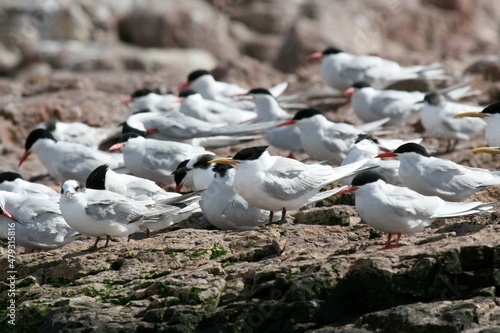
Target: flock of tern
167 139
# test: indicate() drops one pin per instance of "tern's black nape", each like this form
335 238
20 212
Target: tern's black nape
366 178
126 128
412 147
39 133
492 108
97 178
221 169
141 93
331 50
361 84
196 74
202 161
306 113
256 91
50 125
250 154
433 98
129 135
9 176
187 92
180 172
364 136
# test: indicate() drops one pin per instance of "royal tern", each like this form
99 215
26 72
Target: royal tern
433 176
323 139
341 70
194 105
136 188
368 147
400 210
437 119
100 213
81 133
39 223
195 173
372 104
268 109
153 159
14 182
66 160
491 115
278 183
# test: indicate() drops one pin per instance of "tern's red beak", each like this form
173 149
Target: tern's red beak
387 154
315 56
127 101
287 123
178 188
242 97
117 146
23 158
348 189
152 131
7 214
184 86
348 93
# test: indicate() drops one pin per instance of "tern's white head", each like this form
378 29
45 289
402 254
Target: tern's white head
70 188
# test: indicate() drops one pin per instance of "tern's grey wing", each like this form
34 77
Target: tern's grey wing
290 179
115 208
466 125
237 129
339 138
410 205
166 160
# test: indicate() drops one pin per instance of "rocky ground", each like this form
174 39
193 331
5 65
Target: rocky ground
322 271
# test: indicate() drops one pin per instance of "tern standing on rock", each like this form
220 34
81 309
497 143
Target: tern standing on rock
399 210
102 213
278 183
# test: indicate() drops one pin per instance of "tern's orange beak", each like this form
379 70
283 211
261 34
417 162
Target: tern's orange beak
117 146
488 150
287 123
315 56
184 86
387 154
178 188
23 158
348 189
471 114
227 160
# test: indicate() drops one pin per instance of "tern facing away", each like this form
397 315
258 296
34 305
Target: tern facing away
400 210
278 183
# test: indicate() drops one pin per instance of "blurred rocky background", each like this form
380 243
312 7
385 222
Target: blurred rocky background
75 60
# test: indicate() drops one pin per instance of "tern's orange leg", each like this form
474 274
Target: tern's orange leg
107 240
97 239
291 155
